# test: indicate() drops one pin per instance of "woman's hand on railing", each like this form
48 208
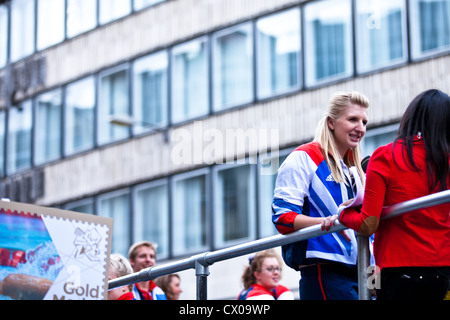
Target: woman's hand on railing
328 222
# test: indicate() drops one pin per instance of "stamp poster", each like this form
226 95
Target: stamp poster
52 254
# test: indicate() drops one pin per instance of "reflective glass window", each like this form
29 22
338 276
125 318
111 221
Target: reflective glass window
47 136
22 29
430 27
151 215
113 102
141 4
232 66
234 204
79 116
190 208
3 35
2 142
328 41
19 137
113 9
81 16
266 185
190 81
381 36
278 53
116 205
50 22
150 96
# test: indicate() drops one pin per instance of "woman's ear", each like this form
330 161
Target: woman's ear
330 123
257 275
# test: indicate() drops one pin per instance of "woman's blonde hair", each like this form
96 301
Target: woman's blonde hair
324 135
255 264
120 266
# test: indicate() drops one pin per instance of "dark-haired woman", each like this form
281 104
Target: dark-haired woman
412 250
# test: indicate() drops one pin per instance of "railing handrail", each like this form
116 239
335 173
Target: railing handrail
200 262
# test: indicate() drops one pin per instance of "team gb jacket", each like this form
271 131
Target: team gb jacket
305 186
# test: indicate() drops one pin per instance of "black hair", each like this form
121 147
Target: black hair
428 117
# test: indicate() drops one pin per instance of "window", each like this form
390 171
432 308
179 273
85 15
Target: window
50 22
380 33
47 144
328 41
19 138
234 204
430 26
113 102
278 53
2 142
116 205
375 138
190 207
233 66
190 82
83 206
113 9
81 16
151 216
79 116
266 187
22 29
141 4
150 91
3 35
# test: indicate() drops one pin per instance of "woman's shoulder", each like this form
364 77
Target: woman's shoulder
313 150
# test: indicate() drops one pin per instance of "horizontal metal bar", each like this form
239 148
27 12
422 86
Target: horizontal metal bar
415 204
210 258
223 254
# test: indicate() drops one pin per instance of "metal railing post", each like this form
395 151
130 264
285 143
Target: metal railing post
363 266
201 273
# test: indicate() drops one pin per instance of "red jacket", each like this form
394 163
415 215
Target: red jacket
418 238
258 292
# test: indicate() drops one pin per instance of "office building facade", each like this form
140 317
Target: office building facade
172 116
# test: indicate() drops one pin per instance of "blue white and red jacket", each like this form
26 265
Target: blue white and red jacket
305 186
155 292
258 292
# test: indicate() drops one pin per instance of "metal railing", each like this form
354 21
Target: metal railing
202 261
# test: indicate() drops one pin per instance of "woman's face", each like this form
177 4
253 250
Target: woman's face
349 128
175 287
270 273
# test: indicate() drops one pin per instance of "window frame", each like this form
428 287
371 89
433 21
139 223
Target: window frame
164 182
142 125
311 79
120 133
415 39
127 228
29 105
206 42
37 145
257 56
375 23
217 79
206 172
251 210
66 114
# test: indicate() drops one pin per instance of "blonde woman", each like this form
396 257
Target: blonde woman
120 267
312 182
261 279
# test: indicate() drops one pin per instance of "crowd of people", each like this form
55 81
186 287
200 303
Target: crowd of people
316 186
260 279
142 255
